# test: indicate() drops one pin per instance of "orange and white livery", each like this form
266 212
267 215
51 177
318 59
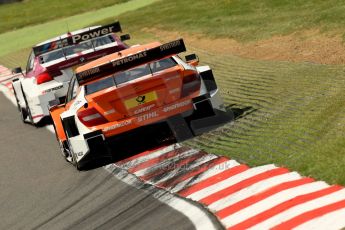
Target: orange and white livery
136 99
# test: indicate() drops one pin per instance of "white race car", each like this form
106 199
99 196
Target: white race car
51 65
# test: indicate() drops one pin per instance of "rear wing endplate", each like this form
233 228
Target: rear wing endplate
77 38
128 62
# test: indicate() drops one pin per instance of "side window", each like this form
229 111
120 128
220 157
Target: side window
30 64
162 64
72 90
99 85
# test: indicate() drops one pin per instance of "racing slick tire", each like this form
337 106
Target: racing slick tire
72 155
23 113
17 101
67 152
75 162
26 111
62 145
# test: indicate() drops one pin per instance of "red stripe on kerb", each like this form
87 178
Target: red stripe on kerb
9 85
307 216
6 79
5 73
178 164
201 168
243 184
261 196
153 161
213 180
284 206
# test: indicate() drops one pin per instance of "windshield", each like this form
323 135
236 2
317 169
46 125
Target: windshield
75 49
129 75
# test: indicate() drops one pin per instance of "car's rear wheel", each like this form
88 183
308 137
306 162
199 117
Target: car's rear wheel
26 113
74 161
62 144
23 115
22 111
15 95
72 156
64 150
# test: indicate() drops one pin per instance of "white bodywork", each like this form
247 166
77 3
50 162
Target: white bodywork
36 98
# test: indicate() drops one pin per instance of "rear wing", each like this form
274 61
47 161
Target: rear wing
77 38
130 61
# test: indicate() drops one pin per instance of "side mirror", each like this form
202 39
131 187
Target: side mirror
17 70
192 59
125 37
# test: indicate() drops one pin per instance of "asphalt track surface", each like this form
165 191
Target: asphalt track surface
39 190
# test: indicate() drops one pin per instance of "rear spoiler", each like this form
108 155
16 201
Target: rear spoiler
77 38
130 61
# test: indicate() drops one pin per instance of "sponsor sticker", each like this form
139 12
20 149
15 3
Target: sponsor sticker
144 109
88 72
147 116
129 58
118 125
170 45
92 34
175 106
140 100
52 89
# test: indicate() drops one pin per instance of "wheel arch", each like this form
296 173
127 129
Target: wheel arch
57 123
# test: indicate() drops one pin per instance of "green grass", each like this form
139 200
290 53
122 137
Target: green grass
30 12
17 40
290 114
243 20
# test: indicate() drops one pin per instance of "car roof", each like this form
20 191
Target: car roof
121 54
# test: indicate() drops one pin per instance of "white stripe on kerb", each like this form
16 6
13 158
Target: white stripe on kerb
331 221
253 189
227 182
272 201
302 208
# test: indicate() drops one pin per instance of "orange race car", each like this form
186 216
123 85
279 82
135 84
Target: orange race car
136 99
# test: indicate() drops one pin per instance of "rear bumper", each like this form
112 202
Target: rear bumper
120 146
205 117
